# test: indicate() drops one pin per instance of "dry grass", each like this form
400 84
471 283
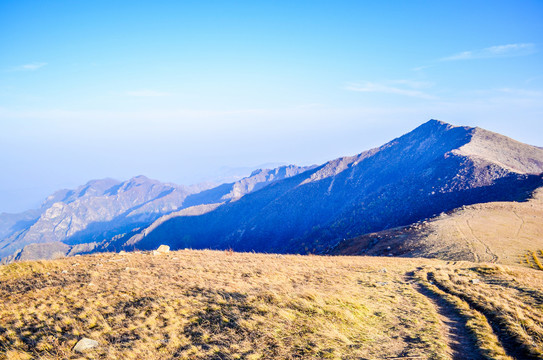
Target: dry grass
225 305
530 256
510 299
215 305
498 232
536 260
487 342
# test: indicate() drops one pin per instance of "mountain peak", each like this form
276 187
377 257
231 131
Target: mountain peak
434 124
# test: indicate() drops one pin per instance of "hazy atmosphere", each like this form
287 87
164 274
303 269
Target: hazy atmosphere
178 91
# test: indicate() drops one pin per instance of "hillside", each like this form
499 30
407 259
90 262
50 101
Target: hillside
435 168
75 221
226 305
502 232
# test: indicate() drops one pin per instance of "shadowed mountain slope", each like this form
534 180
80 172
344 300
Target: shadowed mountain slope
436 167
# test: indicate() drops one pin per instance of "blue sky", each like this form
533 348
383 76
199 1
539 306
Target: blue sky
176 90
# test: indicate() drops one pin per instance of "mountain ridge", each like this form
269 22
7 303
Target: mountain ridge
432 169
418 174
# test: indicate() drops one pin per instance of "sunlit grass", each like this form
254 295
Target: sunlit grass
225 305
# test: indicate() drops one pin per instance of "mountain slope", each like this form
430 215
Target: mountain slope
437 167
501 232
97 210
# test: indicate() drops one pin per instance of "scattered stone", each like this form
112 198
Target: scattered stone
76 264
162 249
64 271
383 270
126 268
382 283
84 345
475 281
122 252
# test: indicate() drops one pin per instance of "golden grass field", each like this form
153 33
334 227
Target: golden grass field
498 232
224 305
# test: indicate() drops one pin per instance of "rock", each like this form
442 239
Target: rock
383 270
475 281
162 249
84 345
122 252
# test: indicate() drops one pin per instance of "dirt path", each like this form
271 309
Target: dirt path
493 257
468 242
461 345
520 225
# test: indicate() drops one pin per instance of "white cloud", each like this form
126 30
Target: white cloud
147 93
521 92
406 88
420 68
29 67
508 50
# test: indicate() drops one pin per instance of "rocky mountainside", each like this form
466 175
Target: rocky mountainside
96 210
107 209
435 168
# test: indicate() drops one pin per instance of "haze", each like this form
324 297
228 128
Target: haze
178 90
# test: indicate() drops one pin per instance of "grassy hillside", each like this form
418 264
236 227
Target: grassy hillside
224 305
501 232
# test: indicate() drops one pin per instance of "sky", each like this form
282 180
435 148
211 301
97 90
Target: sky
180 90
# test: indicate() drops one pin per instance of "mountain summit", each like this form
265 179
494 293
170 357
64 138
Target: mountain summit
434 168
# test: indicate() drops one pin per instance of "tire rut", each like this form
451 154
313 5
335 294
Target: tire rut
461 345
508 343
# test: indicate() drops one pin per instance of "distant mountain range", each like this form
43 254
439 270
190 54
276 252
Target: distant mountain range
435 168
72 221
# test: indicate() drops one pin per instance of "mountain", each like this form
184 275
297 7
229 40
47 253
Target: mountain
502 232
72 221
435 168
96 210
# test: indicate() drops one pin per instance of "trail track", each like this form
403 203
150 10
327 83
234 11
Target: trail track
453 326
